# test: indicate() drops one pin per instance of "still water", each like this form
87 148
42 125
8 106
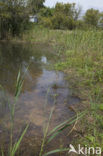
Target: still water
43 88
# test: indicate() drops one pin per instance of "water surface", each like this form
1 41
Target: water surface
43 88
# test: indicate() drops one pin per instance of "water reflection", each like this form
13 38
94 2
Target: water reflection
40 86
44 59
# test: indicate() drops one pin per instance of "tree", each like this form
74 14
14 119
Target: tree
35 5
46 12
65 9
65 16
13 17
92 17
4 16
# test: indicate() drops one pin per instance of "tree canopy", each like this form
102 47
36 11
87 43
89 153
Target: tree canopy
35 5
14 15
92 17
63 16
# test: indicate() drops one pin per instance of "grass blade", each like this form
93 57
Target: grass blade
46 131
56 151
62 124
19 84
17 144
64 127
18 77
2 152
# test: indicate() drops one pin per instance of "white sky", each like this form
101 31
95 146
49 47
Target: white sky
97 4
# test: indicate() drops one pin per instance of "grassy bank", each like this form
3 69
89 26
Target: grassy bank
81 57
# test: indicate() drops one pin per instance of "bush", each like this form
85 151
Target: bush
69 23
63 16
92 17
57 21
46 22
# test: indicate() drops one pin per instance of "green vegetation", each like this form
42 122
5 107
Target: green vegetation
14 16
81 58
13 146
35 5
67 16
91 17
79 46
63 16
48 135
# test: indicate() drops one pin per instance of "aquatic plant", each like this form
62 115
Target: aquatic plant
81 58
13 147
50 135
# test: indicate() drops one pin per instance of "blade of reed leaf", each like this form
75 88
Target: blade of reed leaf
46 131
1 87
64 127
17 144
56 151
62 124
18 77
2 152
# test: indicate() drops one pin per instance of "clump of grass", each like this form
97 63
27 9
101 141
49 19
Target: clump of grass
13 147
49 136
81 57
56 131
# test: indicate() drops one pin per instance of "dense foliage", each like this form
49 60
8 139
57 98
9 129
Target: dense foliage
91 17
63 16
35 5
14 15
12 18
67 16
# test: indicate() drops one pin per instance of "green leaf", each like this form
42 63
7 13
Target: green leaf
62 124
17 144
100 107
56 151
2 152
64 127
90 138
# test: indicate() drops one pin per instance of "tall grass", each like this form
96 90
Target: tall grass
13 147
50 135
81 57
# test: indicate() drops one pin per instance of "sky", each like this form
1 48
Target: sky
85 4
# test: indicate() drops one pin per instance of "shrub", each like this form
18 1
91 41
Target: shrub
46 22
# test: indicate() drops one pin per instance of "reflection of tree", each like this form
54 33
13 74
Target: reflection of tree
14 57
32 75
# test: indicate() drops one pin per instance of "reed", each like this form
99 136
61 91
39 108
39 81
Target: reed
49 136
81 58
14 146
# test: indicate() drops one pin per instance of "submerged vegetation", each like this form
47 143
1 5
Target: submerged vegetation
48 135
78 44
81 58
13 146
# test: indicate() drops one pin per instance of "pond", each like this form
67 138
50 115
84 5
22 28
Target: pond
43 88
